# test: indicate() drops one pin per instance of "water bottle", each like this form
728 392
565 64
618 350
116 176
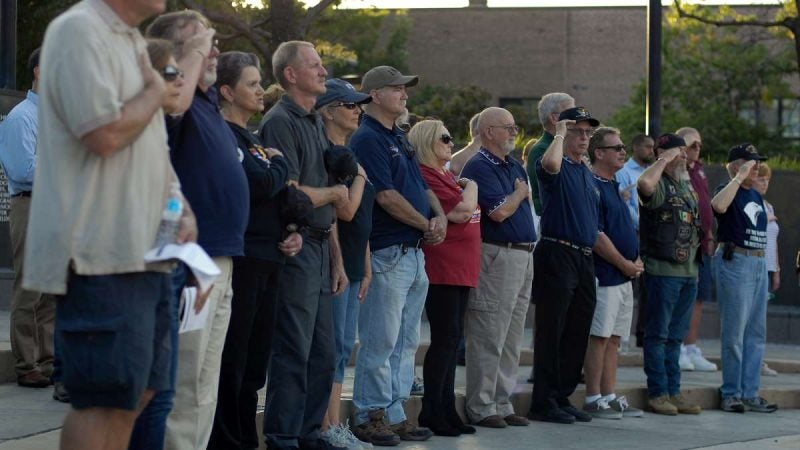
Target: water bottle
171 217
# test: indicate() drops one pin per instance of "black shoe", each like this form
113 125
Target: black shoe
60 392
555 415
579 415
455 421
439 426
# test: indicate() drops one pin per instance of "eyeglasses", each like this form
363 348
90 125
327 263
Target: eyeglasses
446 139
616 148
508 128
171 73
582 132
696 145
350 106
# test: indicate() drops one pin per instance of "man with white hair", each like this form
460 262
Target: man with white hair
550 106
670 238
741 276
496 309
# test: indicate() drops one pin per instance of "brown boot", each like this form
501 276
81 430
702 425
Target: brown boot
33 379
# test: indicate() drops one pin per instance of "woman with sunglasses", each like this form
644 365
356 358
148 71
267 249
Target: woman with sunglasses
150 426
340 109
245 355
452 269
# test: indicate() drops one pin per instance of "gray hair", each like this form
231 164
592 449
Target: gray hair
686 131
284 56
474 131
230 66
550 103
168 26
598 139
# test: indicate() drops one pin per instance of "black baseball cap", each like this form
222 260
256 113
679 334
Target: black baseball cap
342 91
668 140
746 151
578 114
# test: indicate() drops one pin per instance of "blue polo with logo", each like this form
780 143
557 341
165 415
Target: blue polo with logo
616 222
495 178
745 221
571 203
391 164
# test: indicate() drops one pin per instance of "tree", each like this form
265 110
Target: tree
785 19
453 105
350 41
722 81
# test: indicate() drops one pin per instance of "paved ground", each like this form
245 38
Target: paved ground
29 418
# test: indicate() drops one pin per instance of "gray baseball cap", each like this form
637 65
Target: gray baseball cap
382 76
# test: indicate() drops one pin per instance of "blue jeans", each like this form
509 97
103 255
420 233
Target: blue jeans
345 325
389 333
669 310
742 296
150 427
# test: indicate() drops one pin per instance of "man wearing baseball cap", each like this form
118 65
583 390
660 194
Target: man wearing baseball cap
564 283
406 215
669 239
741 277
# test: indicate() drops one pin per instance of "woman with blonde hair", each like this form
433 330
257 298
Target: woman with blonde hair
452 269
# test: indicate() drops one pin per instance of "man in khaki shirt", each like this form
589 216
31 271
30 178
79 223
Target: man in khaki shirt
103 176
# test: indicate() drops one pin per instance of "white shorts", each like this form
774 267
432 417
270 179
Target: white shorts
614 311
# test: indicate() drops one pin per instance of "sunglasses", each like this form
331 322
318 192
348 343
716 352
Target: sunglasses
446 139
171 73
350 106
616 148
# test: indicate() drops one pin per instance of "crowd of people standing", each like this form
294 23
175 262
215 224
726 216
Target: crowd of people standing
330 223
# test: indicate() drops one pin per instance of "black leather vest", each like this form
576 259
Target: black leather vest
666 232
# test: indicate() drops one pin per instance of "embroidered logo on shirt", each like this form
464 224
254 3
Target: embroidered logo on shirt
394 151
240 153
260 152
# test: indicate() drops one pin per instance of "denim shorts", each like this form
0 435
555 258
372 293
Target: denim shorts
115 339
704 279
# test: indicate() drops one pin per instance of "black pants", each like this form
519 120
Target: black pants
445 306
302 361
565 292
640 296
245 357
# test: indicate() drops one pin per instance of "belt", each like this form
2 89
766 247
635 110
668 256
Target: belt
22 194
587 251
759 252
404 246
526 246
319 234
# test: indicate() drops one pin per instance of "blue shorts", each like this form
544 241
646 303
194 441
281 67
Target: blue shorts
704 281
114 336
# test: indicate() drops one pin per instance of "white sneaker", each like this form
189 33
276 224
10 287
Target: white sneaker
700 364
767 371
341 436
684 361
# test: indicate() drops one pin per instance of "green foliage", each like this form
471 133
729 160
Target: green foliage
720 81
367 38
453 105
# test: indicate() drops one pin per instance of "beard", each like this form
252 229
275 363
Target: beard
208 78
507 146
681 173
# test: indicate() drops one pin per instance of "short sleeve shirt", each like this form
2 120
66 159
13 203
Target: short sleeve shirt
391 164
537 151
300 135
616 223
571 203
99 215
699 181
496 178
627 177
745 221
456 261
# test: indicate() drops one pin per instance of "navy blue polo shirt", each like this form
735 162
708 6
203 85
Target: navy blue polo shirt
495 178
745 221
390 163
207 160
617 224
571 203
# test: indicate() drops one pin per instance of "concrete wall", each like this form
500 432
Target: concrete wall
595 54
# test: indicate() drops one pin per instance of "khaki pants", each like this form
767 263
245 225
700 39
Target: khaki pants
495 322
199 357
32 313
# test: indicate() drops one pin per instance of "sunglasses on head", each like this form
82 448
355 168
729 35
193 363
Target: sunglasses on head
171 73
350 106
446 139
